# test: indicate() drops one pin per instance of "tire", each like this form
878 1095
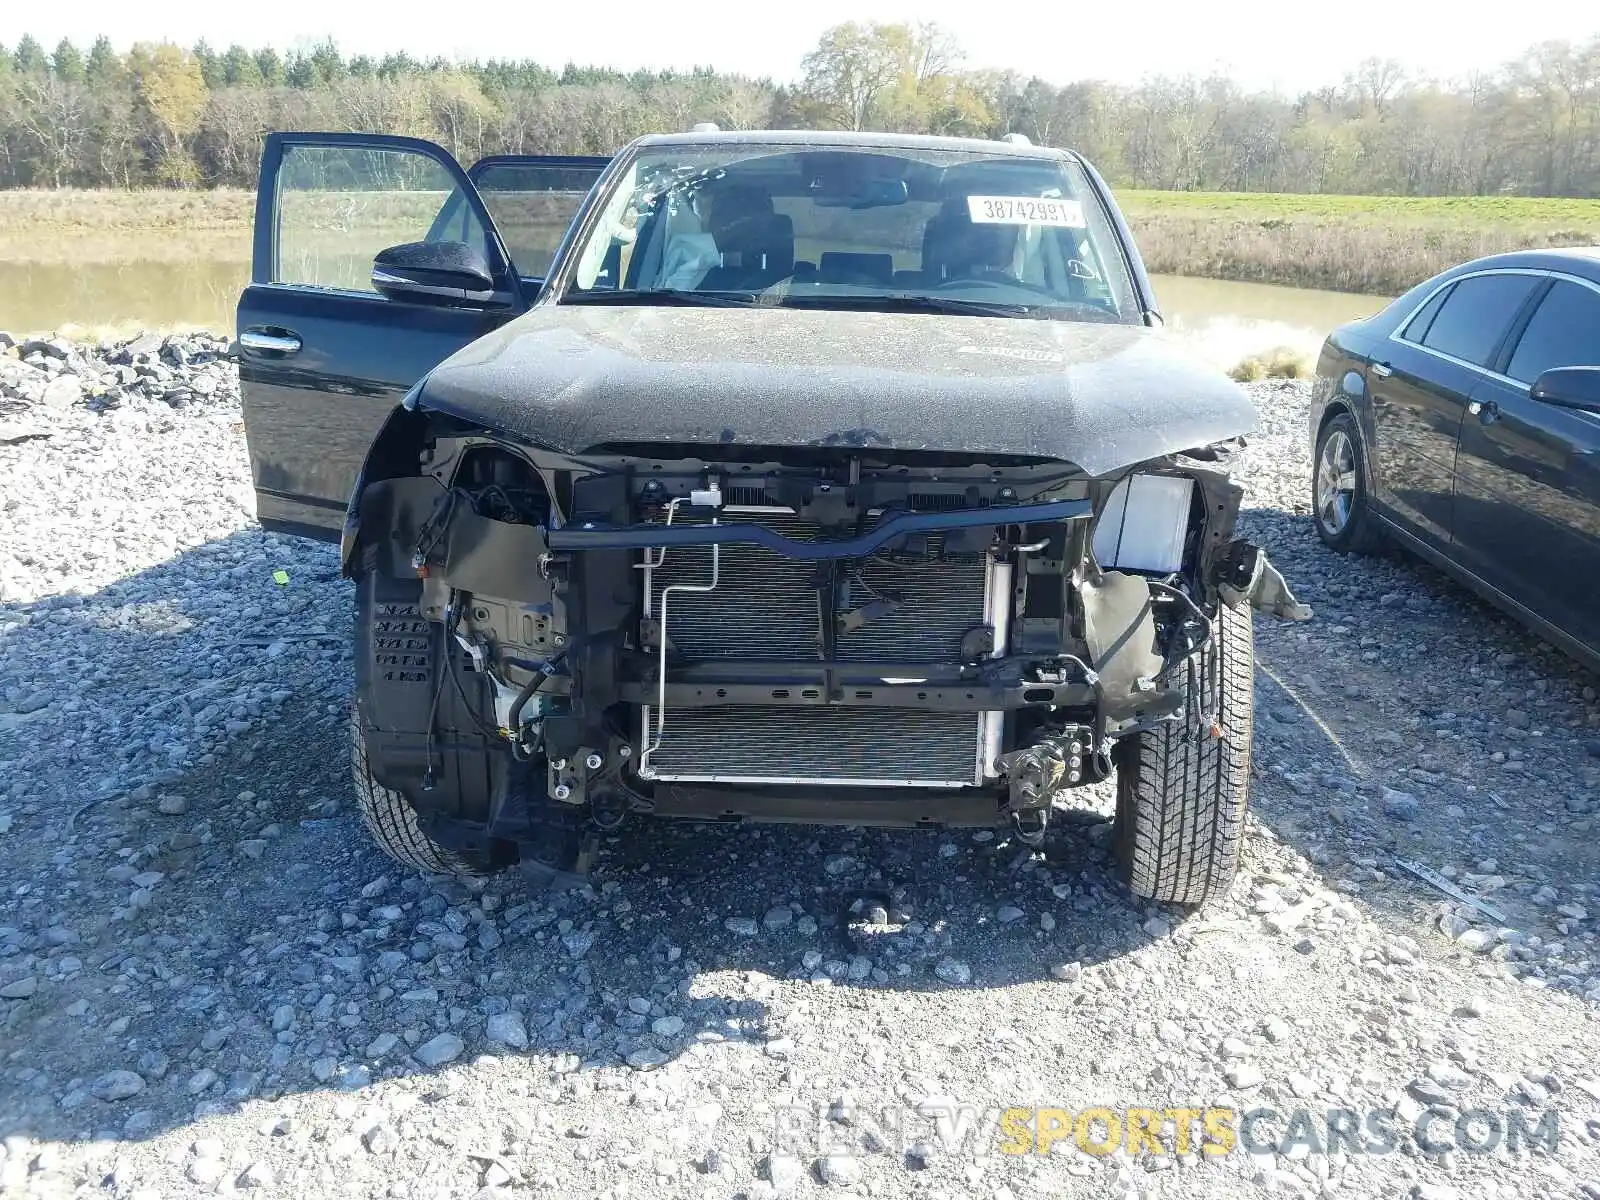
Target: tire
393 822
1340 508
1181 792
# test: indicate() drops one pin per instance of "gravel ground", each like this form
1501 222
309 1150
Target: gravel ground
211 981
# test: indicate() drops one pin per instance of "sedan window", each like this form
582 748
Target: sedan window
1417 328
1476 315
1564 332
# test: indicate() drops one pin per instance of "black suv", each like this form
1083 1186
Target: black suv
779 476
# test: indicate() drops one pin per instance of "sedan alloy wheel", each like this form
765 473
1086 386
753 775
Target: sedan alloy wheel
1336 482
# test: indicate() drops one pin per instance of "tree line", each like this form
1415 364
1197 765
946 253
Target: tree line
164 115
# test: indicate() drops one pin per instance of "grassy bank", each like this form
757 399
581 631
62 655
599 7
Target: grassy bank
1375 244
77 226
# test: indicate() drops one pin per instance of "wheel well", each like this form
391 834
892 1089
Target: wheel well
1335 408
395 453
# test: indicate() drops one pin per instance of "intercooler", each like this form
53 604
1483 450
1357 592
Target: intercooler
769 608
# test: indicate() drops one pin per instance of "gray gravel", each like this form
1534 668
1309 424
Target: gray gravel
210 981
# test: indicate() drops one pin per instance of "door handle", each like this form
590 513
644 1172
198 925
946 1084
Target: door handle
1487 411
263 342
1382 370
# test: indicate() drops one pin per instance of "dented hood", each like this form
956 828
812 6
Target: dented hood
574 378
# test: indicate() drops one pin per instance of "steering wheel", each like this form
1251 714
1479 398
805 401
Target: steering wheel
1004 279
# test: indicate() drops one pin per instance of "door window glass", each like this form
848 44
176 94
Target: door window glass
1417 327
1476 315
1564 332
338 206
532 204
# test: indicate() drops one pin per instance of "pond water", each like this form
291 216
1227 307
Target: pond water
1226 320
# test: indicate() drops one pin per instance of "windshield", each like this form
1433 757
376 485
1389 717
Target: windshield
840 227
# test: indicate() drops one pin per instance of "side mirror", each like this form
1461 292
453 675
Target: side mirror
1569 387
433 273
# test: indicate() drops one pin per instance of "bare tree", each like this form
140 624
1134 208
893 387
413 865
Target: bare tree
54 113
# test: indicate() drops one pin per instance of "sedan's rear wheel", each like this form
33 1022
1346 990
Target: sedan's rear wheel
1339 504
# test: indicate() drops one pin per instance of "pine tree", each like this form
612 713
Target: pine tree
67 62
29 58
239 68
269 66
210 64
104 67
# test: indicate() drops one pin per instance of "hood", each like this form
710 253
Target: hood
573 378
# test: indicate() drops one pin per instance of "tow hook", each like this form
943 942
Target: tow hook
1036 773
1029 827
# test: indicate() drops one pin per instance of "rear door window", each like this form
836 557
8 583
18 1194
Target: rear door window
532 204
1563 332
1476 315
1417 328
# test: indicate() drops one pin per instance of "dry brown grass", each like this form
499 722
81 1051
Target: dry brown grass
1281 362
1335 252
102 210
76 225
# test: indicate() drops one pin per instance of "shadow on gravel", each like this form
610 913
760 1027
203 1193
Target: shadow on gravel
256 945
196 917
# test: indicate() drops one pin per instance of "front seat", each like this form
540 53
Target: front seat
954 246
754 243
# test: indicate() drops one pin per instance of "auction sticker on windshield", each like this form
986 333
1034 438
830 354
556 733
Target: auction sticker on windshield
1025 210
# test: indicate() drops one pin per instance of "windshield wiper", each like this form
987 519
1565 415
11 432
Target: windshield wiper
919 302
680 296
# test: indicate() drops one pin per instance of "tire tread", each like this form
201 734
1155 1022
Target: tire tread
1182 795
393 823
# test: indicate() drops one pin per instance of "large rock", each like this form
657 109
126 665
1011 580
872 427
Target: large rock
435 1052
117 1085
49 347
507 1029
62 392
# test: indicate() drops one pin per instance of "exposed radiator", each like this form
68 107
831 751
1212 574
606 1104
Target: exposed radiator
882 747
768 607
765 605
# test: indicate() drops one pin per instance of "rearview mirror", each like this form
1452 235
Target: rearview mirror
433 273
1569 387
833 192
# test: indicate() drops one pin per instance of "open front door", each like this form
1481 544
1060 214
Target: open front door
324 356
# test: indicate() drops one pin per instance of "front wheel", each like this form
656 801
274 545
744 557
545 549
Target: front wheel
392 821
1182 786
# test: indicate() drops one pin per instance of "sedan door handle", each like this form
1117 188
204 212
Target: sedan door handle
1382 370
1487 411
262 341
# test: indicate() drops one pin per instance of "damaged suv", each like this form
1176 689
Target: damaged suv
794 476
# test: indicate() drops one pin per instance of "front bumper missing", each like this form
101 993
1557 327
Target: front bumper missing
591 535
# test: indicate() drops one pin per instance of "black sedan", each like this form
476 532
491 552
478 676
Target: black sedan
1463 423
